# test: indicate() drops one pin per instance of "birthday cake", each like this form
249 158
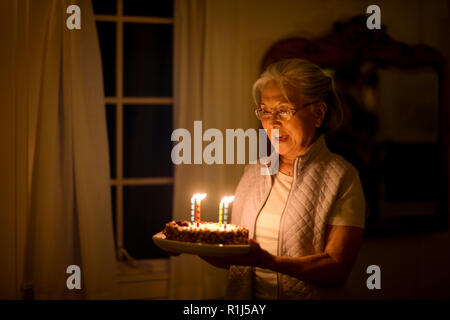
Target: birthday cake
206 232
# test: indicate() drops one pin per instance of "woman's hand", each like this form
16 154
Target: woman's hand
257 257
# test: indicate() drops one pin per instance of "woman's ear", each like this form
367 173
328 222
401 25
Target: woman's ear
320 111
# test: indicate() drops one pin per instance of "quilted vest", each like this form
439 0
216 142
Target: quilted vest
318 174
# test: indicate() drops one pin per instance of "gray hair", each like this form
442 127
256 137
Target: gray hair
300 78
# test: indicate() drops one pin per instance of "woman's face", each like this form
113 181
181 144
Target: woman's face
296 134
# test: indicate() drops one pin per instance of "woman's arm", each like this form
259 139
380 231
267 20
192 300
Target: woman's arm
331 267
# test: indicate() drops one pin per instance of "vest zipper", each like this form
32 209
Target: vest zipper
281 222
259 211
262 206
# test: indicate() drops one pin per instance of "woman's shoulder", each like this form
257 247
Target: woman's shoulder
252 171
338 163
251 176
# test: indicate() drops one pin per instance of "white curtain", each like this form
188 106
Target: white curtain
212 84
69 223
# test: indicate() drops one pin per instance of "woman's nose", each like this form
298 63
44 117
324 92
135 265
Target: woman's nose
274 122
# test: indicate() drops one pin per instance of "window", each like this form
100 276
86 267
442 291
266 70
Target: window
136 47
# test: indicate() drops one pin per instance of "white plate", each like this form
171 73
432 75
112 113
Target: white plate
201 249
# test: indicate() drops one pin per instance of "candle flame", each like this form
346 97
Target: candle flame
227 200
198 196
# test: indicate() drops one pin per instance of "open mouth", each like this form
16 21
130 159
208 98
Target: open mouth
282 138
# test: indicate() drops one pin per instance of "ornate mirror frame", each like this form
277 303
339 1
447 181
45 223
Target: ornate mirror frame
356 55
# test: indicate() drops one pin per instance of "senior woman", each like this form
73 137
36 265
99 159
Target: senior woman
306 222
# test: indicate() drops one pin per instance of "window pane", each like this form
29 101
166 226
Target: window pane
104 6
147 144
111 125
107 38
146 211
147 60
148 8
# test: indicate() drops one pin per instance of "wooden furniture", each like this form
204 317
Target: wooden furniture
395 132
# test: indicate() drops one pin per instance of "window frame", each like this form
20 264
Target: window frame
151 269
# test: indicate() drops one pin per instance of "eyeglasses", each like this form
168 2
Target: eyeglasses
284 114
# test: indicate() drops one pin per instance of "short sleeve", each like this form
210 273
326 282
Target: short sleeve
350 206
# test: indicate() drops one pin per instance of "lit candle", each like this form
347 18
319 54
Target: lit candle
225 215
220 213
195 207
227 200
197 211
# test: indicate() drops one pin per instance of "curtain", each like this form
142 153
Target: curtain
212 85
69 223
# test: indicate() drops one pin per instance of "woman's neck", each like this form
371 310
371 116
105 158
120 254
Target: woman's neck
286 165
287 162
289 159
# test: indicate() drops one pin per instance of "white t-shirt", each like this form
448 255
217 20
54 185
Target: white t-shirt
348 211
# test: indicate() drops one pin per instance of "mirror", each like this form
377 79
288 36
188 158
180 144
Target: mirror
393 130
